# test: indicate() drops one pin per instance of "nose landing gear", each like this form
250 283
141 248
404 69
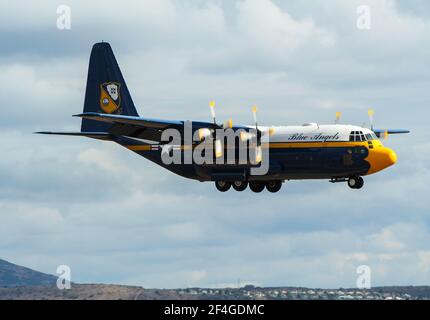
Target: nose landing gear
355 182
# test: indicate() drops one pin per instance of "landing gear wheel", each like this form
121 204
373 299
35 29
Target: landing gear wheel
256 187
360 183
355 182
223 186
240 185
274 186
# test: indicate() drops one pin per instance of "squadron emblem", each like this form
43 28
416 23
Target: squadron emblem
110 98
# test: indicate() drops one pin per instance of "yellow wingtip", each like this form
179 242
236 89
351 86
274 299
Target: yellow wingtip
212 104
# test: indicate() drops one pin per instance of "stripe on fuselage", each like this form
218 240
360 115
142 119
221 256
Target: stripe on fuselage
274 145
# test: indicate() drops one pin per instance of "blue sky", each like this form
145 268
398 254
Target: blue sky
114 217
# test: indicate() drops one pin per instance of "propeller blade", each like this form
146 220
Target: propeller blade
228 124
212 107
338 115
370 113
218 148
254 113
385 134
258 154
272 131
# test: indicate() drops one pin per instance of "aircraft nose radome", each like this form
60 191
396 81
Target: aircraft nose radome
392 156
381 158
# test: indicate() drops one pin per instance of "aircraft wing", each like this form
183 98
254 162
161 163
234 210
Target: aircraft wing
131 120
381 132
132 126
138 127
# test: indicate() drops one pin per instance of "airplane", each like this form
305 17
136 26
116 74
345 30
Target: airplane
334 152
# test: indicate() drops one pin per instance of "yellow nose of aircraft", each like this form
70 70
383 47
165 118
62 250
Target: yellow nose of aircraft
381 158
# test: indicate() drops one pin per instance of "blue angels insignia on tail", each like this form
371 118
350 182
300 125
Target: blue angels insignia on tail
110 98
106 90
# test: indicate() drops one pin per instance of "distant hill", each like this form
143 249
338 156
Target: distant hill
17 282
120 292
12 275
91 292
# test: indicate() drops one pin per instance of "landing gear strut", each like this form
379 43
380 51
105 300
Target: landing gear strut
223 186
355 182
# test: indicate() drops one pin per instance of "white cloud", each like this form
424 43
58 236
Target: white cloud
276 31
99 158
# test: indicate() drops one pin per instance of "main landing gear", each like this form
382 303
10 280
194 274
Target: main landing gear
255 186
355 182
223 186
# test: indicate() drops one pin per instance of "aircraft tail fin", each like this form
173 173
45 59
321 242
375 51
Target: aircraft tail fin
106 90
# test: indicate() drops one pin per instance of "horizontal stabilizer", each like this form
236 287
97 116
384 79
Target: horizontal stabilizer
94 135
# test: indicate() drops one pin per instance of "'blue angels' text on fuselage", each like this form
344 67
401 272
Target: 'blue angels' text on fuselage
317 137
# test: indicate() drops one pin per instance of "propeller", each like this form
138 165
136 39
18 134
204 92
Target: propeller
218 144
338 115
258 149
382 134
246 136
206 132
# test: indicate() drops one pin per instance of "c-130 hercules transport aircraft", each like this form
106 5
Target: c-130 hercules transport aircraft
214 152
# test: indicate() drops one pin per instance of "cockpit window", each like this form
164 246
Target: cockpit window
357 136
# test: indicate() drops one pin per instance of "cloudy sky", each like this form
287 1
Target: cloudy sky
114 217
